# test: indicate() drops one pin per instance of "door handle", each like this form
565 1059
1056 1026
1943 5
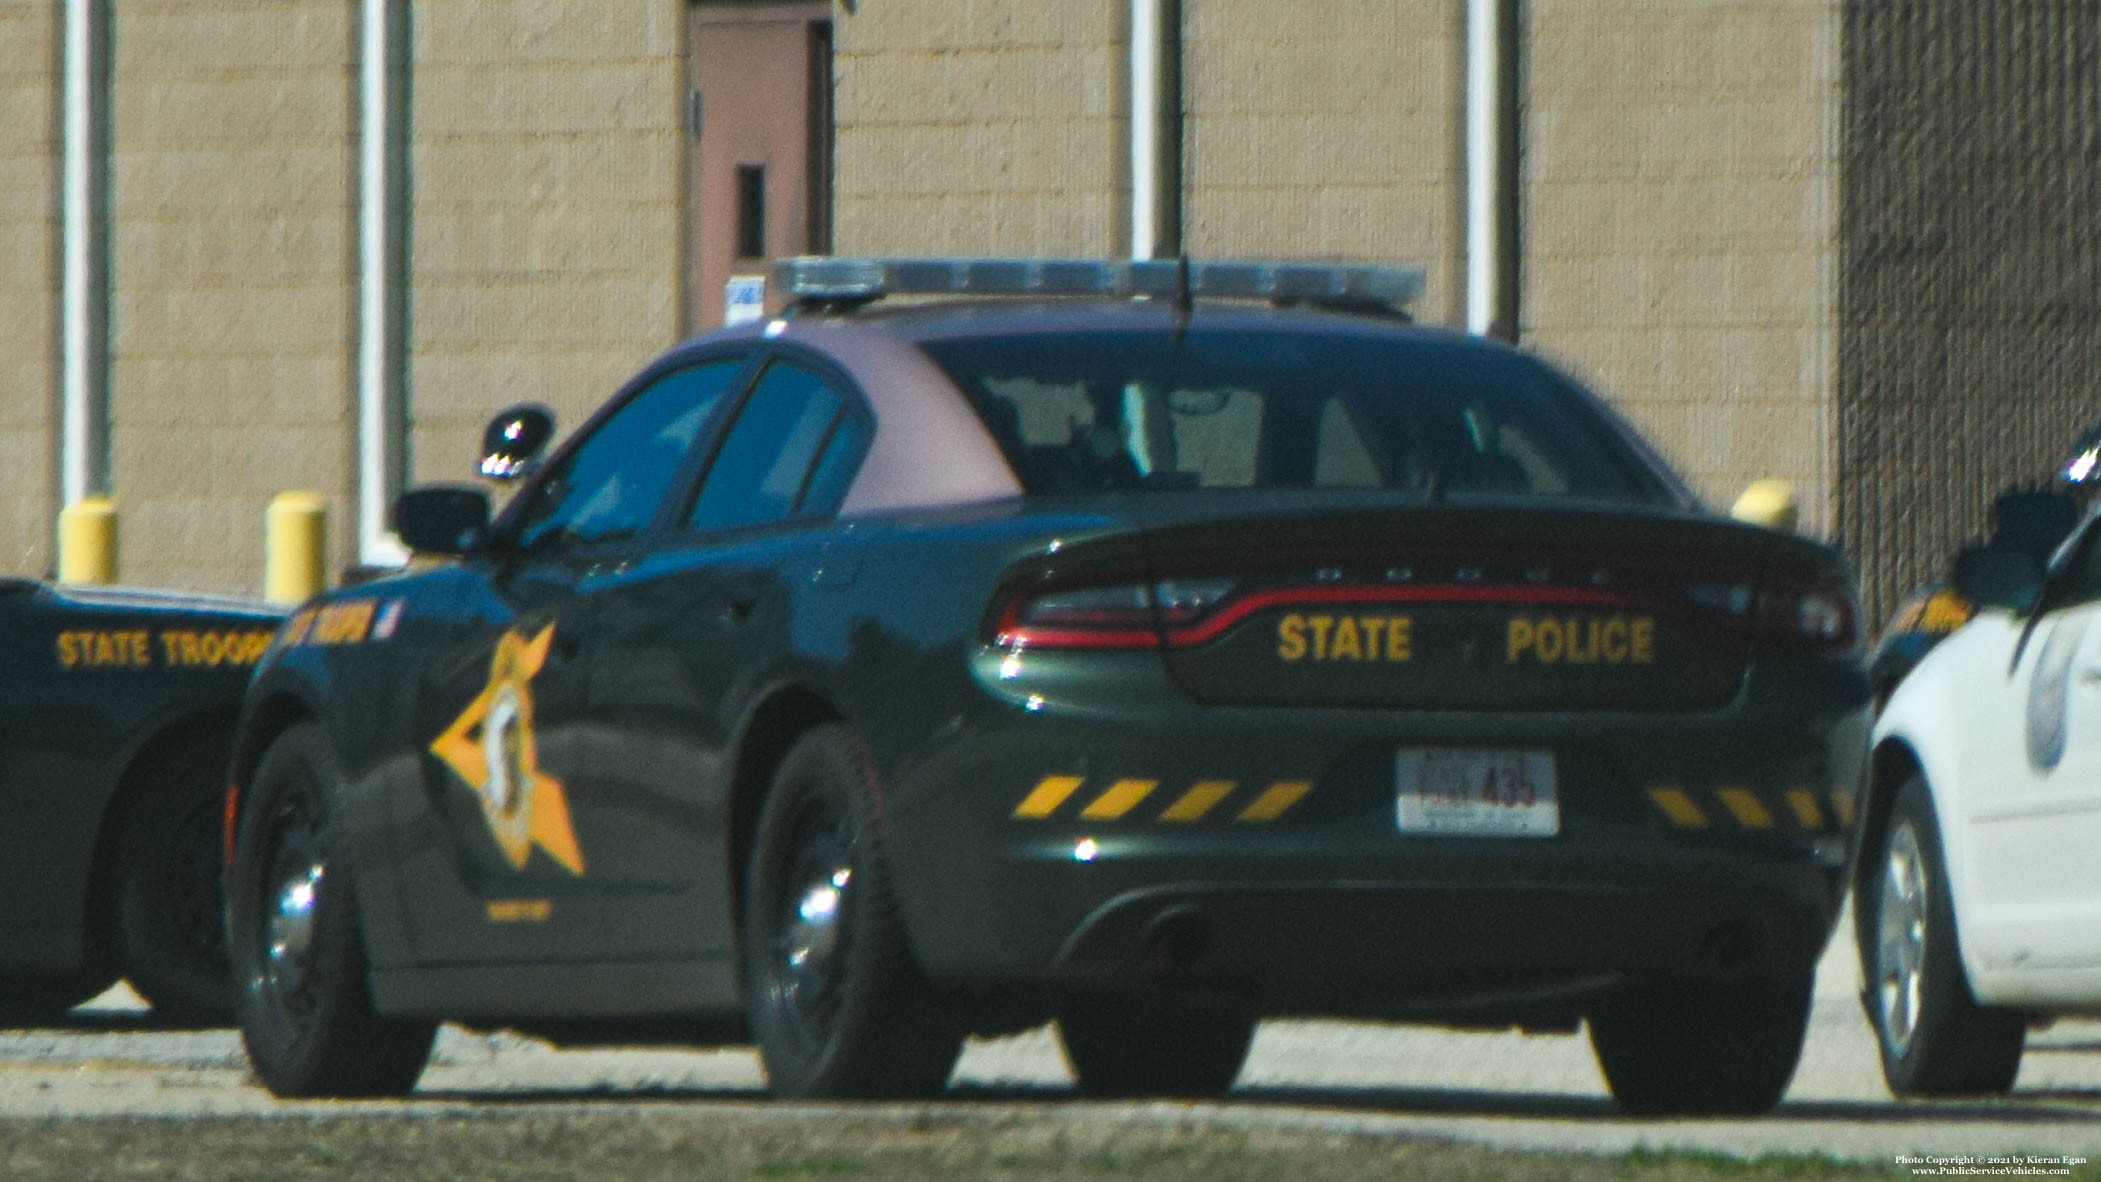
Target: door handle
737 611
2089 675
564 647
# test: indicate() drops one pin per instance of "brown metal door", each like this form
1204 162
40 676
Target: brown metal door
759 112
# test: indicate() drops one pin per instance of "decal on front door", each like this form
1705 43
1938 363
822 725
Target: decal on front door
2047 695
491 746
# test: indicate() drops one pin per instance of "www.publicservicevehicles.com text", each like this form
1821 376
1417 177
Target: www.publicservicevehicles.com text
2013 1164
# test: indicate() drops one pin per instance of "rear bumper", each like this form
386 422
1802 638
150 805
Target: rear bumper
1073 850
1434 949
1403 934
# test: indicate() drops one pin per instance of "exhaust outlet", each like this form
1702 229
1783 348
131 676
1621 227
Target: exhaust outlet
1735 948
1177 940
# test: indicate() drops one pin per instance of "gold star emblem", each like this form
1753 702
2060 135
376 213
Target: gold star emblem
491 746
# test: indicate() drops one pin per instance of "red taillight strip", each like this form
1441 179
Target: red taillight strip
1012 633
1021 637
230 812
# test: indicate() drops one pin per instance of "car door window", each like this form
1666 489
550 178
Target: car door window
2075 574
787 455
611 485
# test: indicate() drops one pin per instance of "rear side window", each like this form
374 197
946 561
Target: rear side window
786 456
1284 410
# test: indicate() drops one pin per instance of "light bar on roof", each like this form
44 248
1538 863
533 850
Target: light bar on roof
823 279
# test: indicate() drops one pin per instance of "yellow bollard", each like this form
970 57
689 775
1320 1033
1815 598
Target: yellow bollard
294 547
1770 503
87 541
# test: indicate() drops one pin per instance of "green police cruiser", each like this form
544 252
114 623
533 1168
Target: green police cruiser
1154 647
117 706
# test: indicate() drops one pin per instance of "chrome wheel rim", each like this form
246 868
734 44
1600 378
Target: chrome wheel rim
291 905
291 926
1900 958
811 935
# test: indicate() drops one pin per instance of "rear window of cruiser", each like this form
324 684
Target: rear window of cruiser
1235 408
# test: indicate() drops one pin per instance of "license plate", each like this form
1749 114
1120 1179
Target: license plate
1476 792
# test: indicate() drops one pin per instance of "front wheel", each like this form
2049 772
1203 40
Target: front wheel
834 1000
292 933
1702 1047
1150 1048
1934 1037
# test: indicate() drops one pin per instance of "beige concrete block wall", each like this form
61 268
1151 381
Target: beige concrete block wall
1680 218
231 303
1327 129
984 128
547 167
29 247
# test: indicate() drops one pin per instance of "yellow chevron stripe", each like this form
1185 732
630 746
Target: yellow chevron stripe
1743 804
1803 802
1201 798
1276 800
1678 807
1121 798
1050 792
1842 803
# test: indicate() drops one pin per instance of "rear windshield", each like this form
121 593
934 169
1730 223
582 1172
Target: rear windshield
1139 409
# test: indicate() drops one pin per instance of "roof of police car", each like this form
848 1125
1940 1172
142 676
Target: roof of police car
914 322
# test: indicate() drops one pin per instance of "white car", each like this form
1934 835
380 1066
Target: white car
1978 897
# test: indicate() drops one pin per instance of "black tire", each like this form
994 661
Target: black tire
1702 1048
834 1000
37 999
1142 1047
298 955
171 906
1934 1037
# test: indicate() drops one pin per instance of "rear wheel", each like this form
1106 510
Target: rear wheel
298 954
1935 1039
170 904
1702 1047
1154 1048
835 1001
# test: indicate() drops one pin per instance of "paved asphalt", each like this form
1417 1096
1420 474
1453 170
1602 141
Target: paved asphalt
1511 1090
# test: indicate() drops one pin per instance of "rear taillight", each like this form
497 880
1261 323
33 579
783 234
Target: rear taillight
1806 615
1110 616
1815 616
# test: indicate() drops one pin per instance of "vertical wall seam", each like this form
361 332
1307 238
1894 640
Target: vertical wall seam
1493 253
382 273
84 329
1144 125
1156 128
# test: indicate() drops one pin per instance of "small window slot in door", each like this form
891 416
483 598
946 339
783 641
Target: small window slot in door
751 211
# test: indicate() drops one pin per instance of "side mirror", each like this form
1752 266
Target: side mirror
514 439
1998 576
2033 521
442 518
